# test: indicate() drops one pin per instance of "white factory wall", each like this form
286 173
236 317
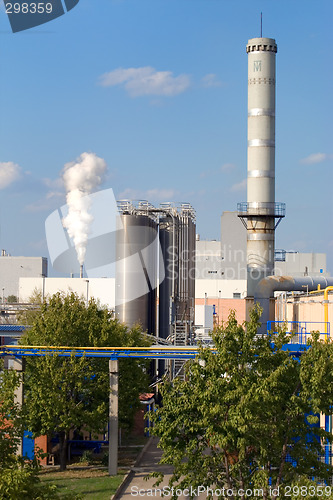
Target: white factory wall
208 260
233 247
102 289
208 247
226 289
302 264
204 319
13 268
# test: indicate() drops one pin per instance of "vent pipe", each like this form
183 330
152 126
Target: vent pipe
81 270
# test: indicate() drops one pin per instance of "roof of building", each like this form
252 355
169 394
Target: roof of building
12 328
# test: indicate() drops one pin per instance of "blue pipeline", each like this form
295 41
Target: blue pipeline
327 445
118 353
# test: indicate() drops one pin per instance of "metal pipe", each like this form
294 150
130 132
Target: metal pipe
267 286
162 352
87 295
327 289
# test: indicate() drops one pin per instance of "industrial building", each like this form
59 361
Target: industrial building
14 268
179 287
306 312
221 265
163 271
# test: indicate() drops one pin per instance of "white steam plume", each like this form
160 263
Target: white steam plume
81 178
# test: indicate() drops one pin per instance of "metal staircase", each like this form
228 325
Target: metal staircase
179 338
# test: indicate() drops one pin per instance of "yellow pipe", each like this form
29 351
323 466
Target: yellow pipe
327 289
317 291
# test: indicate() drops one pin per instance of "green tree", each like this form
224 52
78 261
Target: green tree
18 476
241 418
12 299
28 315
63 394
11 424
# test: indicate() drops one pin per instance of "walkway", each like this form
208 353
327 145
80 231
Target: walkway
136 486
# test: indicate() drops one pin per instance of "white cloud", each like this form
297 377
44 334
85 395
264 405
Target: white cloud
128 194
38 206
54 196
210 80
54 183
150 195
226 167
55 186
205 173
146 81
161 194
9 172
240 186
315 158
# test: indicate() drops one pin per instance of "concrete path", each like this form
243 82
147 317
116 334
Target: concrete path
136 486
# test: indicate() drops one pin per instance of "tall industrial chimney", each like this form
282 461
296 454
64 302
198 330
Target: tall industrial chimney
261 214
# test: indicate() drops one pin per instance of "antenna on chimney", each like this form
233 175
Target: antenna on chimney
260 24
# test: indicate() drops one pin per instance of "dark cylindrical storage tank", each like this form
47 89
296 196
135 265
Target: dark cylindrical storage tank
168 288
136 270
191 245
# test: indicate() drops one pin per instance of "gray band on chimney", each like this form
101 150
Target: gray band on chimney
261 173
261 142
261 112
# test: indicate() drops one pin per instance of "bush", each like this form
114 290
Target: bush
87 457
105 460
20 480
18 477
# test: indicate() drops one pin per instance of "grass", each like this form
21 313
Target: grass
89 483
89 480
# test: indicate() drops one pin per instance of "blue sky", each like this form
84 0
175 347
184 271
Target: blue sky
79 84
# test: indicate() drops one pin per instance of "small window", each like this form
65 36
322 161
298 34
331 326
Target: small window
236 295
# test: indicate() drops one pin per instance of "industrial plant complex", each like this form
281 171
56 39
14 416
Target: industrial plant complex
166 250
177 286
162 276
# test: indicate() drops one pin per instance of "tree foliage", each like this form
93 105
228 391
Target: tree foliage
12 299
28 315
241 419
11 423
63 394
18 477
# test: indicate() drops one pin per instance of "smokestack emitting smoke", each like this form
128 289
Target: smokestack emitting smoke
81 178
